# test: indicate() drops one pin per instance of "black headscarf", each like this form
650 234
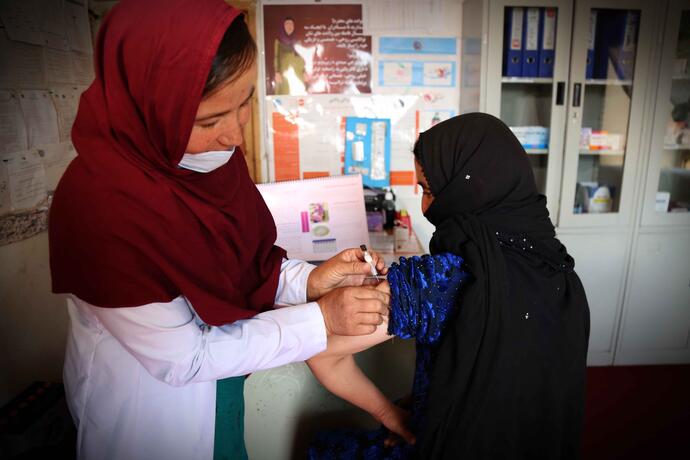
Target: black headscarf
509 379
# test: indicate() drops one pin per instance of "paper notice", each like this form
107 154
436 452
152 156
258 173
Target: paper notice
26 175
12 127
41 119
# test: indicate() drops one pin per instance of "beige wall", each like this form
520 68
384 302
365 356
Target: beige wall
34 321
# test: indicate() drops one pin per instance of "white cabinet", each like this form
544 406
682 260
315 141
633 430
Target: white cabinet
667 192
608 76
533 102
600 262
656 322
615 162
656 315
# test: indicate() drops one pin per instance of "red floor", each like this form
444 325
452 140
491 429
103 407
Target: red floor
637 412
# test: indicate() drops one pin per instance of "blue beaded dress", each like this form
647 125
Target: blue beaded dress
424 295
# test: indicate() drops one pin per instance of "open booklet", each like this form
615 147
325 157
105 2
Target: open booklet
317 218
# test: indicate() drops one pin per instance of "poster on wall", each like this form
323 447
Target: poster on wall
316 49
308 134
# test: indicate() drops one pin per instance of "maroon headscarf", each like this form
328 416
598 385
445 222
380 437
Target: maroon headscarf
127 226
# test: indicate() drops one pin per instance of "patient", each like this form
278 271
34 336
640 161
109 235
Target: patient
500 317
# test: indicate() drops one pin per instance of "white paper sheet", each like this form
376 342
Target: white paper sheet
55 159
26 179
21 64
58 66
82 65
398 15
22 20
12 127
78 28
40 116
53 28
66 101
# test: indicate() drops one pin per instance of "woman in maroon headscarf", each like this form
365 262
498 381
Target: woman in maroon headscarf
166 248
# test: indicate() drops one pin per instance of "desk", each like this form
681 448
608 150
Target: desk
394 243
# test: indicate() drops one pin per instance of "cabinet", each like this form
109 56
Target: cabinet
656 321
667 194
608 154
655 326
533 106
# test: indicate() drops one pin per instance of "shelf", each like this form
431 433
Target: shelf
677 171
537 151
609 81
681 77
603 152
676 147
526 80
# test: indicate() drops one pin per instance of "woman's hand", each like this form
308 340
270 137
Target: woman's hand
353 310
345 269
395 419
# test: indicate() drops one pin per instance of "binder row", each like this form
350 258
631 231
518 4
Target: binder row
530 42
612 44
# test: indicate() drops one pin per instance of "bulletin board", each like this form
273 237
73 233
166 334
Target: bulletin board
46 63
324 63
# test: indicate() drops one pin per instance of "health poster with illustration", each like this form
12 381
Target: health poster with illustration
317 218
368 150
316 49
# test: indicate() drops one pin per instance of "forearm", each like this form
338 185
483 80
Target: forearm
342 377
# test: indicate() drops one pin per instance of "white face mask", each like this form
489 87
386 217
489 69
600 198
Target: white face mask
206 161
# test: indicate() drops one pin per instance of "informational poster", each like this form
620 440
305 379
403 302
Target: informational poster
316 49
317 218
368 149
408 68
308 134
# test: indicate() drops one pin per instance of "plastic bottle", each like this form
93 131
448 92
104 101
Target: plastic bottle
389 209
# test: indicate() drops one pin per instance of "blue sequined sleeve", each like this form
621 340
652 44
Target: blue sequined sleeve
423 294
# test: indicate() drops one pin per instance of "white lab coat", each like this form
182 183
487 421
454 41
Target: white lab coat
141 381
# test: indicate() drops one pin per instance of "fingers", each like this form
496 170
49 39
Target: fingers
363 293
372 306
370 319
384 287
379 262
364 329
355 256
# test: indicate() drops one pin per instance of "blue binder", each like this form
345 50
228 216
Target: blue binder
530 43
589 72
615 44
512 50
547 41
623 44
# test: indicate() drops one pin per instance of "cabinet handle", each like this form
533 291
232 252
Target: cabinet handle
560 93
577 89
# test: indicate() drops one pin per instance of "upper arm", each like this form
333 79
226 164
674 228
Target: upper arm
163 337
343 345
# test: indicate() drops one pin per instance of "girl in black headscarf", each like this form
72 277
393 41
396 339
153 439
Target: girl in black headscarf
507 374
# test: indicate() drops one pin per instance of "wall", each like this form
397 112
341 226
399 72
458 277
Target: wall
34 321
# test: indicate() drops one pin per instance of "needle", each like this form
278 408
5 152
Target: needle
369 260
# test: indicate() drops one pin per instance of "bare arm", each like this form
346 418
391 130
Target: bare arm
337 370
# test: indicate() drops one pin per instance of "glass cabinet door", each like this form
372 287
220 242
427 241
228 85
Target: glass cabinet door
608 77
667 198
532 58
